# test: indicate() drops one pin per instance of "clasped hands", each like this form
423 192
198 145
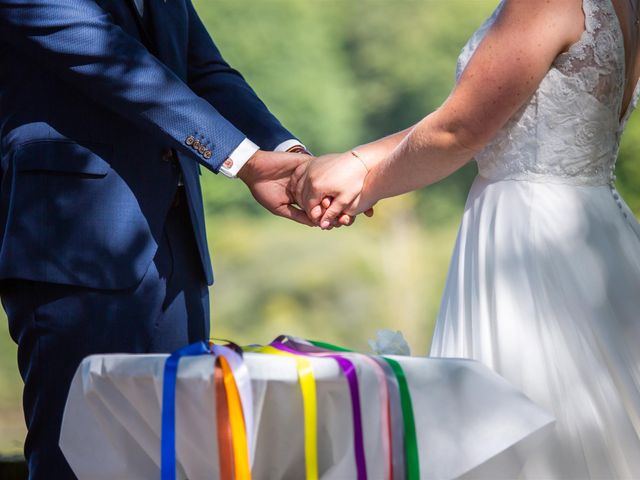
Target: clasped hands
331 189
327 191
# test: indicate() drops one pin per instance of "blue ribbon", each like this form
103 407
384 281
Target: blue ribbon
168 430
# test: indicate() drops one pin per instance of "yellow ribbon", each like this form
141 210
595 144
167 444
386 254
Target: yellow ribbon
236 419
309 405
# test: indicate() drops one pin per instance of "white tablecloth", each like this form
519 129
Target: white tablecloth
469 421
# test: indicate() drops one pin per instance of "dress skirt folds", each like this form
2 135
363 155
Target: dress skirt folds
544 288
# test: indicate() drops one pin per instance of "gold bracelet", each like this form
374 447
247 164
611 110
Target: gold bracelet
357 155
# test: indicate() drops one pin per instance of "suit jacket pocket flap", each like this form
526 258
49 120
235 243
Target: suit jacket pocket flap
63 156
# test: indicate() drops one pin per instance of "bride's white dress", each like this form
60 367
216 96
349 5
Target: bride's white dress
544 285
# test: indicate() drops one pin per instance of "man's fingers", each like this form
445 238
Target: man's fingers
316 213
295 214
346 220
333 212
310 201
369 213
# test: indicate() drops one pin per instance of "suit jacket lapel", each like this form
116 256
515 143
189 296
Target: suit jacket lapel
144 32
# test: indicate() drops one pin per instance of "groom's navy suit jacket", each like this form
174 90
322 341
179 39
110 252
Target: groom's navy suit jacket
97 109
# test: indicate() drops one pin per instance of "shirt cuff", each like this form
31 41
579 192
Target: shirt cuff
287 144
238 158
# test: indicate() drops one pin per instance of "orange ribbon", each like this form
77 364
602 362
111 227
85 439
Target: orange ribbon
236 420
225 441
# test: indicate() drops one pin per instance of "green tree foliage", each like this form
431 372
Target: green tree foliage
404 55
628 167
289 53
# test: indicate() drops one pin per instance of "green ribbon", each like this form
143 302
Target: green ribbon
410 437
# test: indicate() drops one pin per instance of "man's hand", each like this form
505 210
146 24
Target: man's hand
267 174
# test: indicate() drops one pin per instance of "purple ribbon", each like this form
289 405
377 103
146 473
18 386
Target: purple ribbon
349 372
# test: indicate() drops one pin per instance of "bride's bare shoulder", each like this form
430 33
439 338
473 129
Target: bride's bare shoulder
561 19
534 7
507 67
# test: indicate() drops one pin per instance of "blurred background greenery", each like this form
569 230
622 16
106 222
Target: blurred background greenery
337 73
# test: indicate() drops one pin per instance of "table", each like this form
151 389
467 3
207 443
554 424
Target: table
470 422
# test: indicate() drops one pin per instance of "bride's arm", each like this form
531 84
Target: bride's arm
344 169
506 69
374 152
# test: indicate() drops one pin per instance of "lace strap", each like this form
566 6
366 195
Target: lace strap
600 17
590 9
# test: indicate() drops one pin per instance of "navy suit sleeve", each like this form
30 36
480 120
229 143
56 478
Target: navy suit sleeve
211 77
78 41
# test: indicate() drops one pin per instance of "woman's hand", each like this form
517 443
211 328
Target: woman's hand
328 186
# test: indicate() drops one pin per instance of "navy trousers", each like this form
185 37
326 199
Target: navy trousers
56 326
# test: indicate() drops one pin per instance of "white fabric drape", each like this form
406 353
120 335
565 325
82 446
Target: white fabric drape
467 418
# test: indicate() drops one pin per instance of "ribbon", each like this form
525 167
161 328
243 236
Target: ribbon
225 439
309 406
235 415
412 460
243 384
168 430
395 419
349 371
383 394
236 419
410 437
230 410
392 430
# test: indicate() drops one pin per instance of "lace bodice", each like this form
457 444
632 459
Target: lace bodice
569 130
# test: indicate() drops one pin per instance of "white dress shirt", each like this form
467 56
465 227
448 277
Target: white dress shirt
241 155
